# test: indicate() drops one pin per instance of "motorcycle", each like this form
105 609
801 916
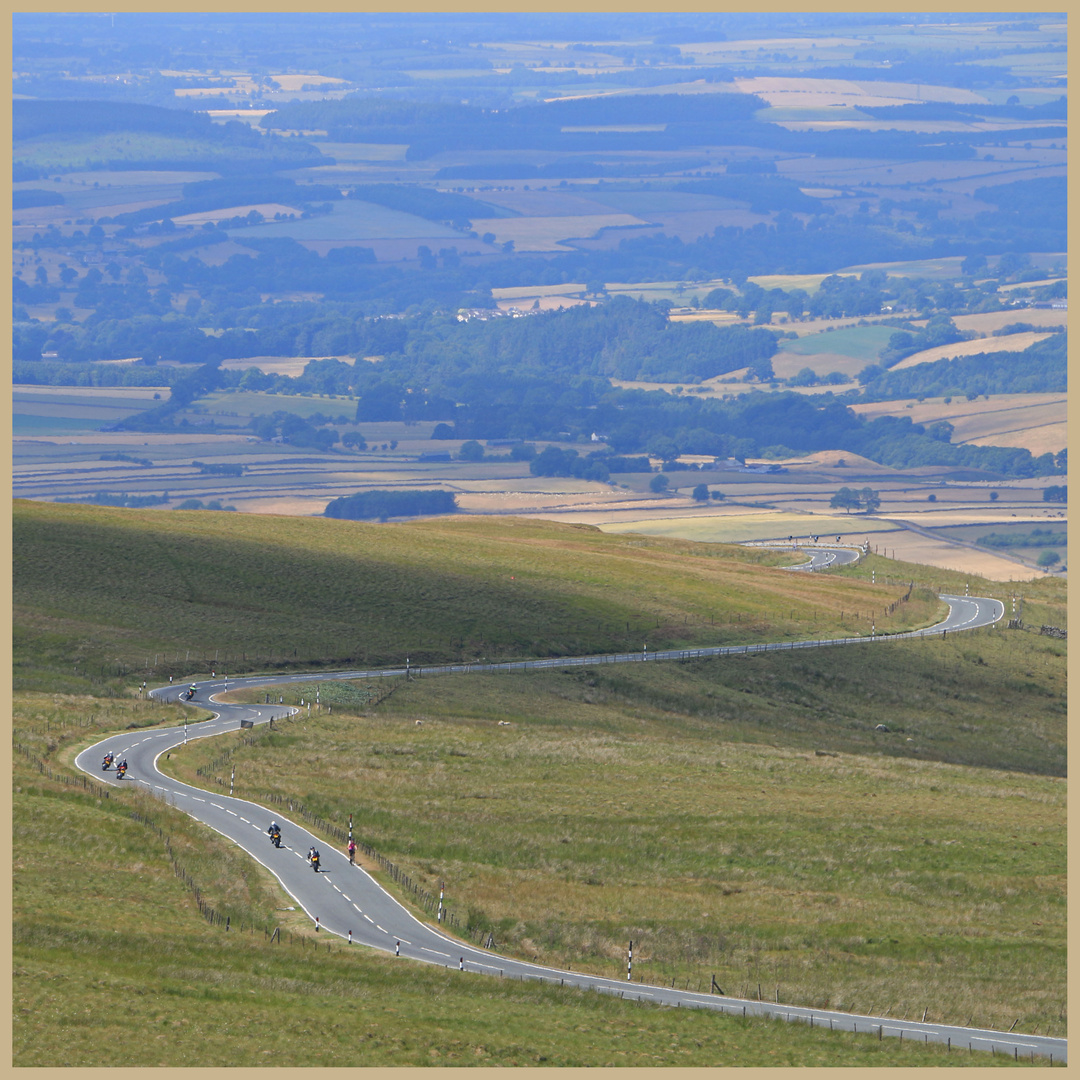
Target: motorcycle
120 771
315 863
189 694
106 765
275 839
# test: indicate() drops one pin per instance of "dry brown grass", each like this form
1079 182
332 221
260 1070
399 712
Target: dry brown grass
989 321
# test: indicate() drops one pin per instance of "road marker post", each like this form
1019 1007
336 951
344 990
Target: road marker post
317 924
397 948
629 961
350 937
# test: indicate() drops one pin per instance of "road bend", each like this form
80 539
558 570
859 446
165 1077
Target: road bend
345 901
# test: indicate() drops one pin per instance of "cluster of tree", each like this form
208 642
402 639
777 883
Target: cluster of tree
555 462
1040 368
381 505
1057 492
1035 538
865 499
141 461
219 468
106 498
294 430
1027 204
198 504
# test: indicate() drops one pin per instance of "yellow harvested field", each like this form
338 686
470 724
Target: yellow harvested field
786 364
299 81
901 544
830 459
1009 343
989 321
544 233
278 365
706 315
1028 284
1048 439
1036 422
989 514
521 292
727 528
810 93
268 210
542 303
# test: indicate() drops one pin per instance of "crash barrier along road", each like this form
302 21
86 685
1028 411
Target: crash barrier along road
344 900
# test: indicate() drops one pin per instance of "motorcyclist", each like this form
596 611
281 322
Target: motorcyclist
315 859
274 833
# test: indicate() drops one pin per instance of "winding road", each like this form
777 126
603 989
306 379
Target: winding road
344 900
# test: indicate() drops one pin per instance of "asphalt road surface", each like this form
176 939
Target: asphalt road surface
344 900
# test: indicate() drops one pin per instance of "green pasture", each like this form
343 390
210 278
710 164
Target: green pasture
278 592
860 342
352 219
169 988
739 818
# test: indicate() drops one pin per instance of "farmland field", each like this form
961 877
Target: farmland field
1008 343
988 322
859 342
49 410
351 219
544 233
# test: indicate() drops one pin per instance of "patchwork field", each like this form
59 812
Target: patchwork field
56 410
988 322
1036 422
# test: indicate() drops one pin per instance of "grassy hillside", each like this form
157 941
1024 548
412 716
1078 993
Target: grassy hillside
738 818
109 949
99 592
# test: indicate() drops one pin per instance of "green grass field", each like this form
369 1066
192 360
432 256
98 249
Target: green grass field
739 819
169 989
861 342
684 806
